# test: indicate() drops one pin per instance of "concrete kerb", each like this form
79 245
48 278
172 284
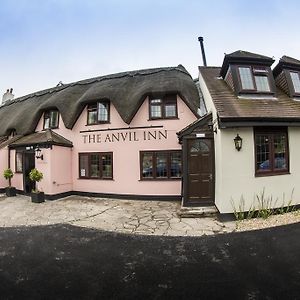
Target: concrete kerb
128 216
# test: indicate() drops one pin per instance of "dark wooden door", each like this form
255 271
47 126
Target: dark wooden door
29 164
200 172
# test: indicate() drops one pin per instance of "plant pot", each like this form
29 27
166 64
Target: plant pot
38 197
10 191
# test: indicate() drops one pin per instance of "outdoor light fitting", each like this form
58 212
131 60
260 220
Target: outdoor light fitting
38 153
238 141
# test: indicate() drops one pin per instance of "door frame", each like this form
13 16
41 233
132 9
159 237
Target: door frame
202 128
185 186
27 152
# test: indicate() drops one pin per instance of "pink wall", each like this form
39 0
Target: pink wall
61 177
3 166
126 161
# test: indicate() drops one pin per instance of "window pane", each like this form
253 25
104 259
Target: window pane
147 165
176 164
53 119
83 165
46 120
92 117
95 166
262 152
280 151
156 101
103 112
107 166
19 162
246 78
170 110
262 83
161 165
156 111
296 81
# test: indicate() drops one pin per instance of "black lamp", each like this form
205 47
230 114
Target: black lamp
238 141
38 153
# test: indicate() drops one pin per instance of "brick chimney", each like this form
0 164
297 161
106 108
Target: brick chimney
8 96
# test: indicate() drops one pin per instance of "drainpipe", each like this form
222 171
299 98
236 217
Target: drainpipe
200 39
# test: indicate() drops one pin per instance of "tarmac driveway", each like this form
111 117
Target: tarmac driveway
68 262
139 217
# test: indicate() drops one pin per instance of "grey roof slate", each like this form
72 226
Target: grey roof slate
244 57
125 90
231 108
286 62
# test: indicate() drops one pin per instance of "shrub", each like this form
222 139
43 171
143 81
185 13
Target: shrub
8 174
36 176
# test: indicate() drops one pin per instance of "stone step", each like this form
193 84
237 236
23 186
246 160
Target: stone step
197 212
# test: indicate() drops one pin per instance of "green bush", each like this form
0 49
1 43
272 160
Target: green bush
35 175
8 174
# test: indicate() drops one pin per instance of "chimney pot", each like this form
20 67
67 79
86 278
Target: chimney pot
200 39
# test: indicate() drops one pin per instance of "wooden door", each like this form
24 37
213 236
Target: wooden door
200 172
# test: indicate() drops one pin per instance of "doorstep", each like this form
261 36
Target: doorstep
197 212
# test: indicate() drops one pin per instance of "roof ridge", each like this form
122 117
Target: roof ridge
119 75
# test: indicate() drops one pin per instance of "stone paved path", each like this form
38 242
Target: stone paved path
137 217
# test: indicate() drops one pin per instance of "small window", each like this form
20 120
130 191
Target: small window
246 78
160 164
296 81
271 150
98 113
51 119
163 108
96 165
254 79
19 162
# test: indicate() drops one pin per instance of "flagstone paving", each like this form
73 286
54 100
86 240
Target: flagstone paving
129 216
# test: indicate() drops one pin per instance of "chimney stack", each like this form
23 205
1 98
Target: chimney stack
8 96
200 39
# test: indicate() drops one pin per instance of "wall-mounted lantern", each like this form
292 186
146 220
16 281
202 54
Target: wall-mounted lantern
238 141
38 153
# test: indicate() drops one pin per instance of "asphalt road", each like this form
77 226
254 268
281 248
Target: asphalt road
66 262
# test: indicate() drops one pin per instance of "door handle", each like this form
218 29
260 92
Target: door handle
210 176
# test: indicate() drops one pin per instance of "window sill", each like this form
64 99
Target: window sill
159 119
266 174
101 123
91 178
50 128
160 179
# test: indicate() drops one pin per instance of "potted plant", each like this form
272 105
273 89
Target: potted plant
8 175
36 195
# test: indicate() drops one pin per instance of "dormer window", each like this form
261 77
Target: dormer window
254 79
51 118
163 107
98 113
296 81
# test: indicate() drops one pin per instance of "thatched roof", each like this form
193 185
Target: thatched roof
126 91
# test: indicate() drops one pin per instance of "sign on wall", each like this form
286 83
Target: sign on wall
125 136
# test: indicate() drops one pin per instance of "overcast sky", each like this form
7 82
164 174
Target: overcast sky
47 41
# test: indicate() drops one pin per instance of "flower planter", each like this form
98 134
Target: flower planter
10 191
38 197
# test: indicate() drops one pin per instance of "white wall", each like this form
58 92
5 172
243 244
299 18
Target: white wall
235 170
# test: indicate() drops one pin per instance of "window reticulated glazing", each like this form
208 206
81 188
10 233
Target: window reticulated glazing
271 150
